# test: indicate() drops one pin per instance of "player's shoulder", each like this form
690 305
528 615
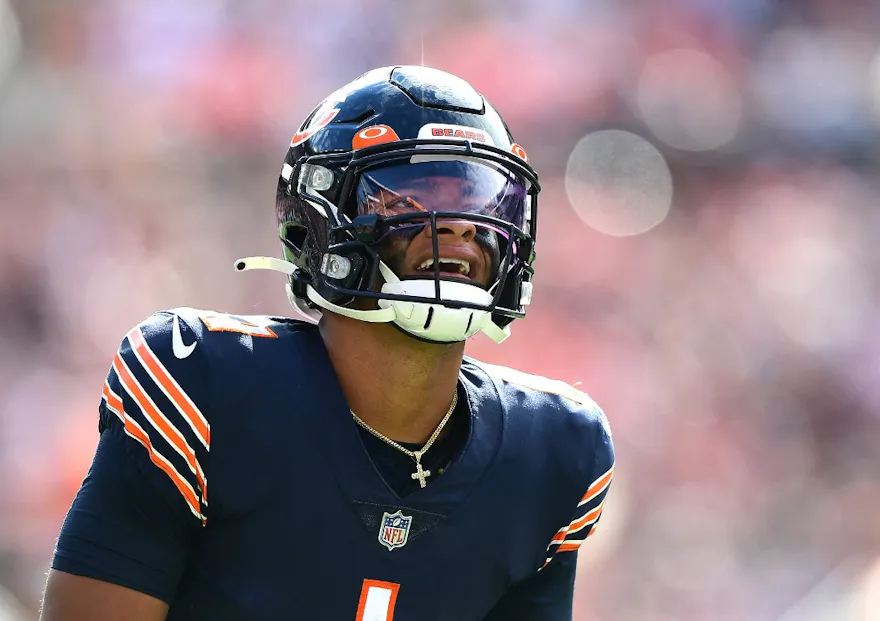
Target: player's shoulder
551 401
179 333
210 354
205 323
176 387
564 444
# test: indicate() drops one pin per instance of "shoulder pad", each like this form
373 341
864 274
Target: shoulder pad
537 383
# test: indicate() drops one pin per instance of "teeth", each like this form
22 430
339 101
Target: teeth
464 268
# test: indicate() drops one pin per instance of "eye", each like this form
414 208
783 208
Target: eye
403 204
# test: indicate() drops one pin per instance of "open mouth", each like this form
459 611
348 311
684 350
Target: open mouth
447 266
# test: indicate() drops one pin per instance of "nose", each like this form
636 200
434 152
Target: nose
464 229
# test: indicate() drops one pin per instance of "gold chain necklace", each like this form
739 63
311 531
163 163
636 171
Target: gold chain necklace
420 473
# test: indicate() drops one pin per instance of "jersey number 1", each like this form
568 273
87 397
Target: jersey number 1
377 601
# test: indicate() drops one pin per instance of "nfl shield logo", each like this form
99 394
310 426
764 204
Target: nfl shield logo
394 529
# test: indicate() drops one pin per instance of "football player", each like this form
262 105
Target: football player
355 466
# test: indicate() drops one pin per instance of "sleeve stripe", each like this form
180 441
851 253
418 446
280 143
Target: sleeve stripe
559 537
583 526
588 519
567 546
155 417
598 486
166 382
133 430
578 525
114 401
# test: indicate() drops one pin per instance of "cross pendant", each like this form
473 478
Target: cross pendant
420 474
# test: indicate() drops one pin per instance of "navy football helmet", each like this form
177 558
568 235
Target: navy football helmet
395 151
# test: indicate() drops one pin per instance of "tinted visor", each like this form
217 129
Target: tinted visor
449 186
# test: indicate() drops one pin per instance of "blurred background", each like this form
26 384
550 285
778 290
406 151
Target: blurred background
707 258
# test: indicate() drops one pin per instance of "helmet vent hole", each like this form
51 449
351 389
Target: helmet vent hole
366 115
294 237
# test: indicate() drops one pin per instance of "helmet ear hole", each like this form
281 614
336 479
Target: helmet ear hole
293 236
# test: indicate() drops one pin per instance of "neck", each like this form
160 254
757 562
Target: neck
398 385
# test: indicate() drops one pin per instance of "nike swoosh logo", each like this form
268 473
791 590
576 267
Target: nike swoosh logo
180 350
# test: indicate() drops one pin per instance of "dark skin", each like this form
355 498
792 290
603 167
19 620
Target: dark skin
423 375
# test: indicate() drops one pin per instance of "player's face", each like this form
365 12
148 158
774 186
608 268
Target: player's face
469 251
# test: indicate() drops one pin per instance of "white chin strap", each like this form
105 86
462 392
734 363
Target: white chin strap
432 322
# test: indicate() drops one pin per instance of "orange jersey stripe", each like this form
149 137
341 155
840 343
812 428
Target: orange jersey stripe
114 402
158 420
592 516
598 485
570 546
559 537
133 430
170 387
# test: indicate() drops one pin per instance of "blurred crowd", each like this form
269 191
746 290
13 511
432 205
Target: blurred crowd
728 327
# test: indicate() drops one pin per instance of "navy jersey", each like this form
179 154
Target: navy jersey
231 481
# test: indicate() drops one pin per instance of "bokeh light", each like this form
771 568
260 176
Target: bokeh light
618 183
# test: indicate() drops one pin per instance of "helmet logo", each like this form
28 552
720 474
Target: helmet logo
518 151
460 132
320 120
450 132
373 135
